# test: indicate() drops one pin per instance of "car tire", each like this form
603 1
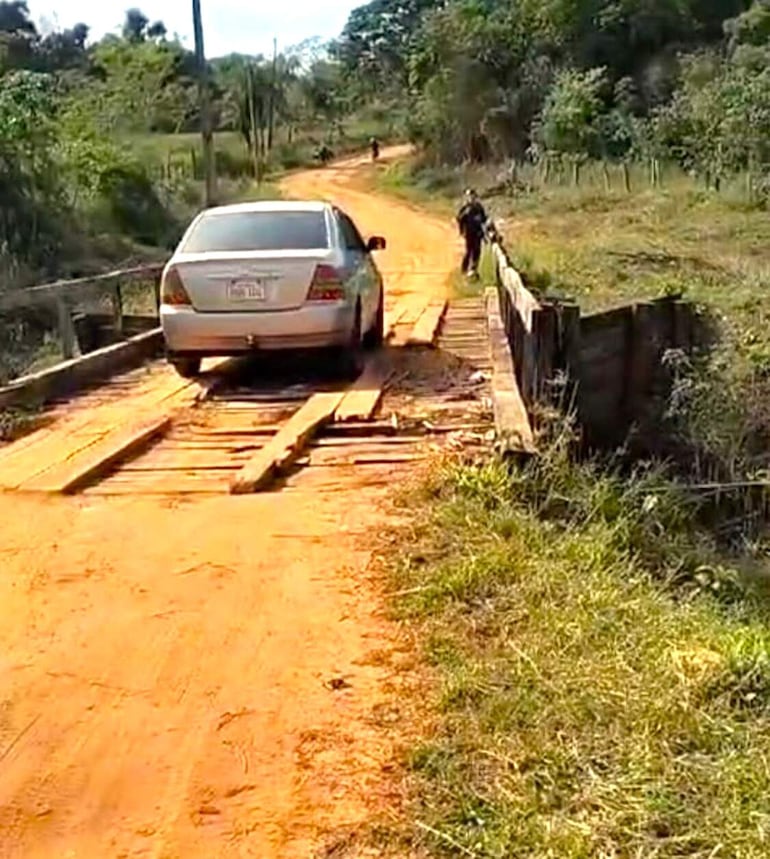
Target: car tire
375 336
188 368
351 357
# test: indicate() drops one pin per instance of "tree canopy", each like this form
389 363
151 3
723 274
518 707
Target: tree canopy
605 78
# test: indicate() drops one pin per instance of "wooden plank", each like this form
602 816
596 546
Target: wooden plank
363 397
393 317
570 326
70 375
545 336
383 441
512 423
97 459
413 308
87 427
427 326
287 444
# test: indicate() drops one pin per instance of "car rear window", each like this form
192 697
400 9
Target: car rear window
258 231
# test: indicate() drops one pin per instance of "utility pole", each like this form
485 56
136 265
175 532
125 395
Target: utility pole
204 98
271 106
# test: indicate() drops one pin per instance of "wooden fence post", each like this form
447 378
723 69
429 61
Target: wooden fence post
626 178
66 329
641 358
117 310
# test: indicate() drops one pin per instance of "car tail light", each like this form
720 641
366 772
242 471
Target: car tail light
172 289
326 285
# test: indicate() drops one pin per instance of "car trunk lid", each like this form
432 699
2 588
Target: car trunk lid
251 282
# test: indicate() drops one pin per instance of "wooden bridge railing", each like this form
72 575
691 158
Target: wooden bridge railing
542 334
609 368
64 296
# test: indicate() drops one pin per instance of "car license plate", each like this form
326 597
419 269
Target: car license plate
246 290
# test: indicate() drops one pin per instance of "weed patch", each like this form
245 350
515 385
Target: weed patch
602 671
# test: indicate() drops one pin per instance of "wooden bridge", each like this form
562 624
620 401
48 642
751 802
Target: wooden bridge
527 351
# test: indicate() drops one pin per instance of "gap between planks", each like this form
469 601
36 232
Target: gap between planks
46 463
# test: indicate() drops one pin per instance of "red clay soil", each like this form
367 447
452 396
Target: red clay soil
212 676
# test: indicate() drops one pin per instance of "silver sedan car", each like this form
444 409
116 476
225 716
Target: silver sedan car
271 275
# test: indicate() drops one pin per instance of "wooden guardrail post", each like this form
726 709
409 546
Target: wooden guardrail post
116 298
66 328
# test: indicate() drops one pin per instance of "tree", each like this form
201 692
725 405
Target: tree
323 89
135 25
721 115
18 36
752 27
570 123
140 80
64 50
375 43
14 18
157 31
29 186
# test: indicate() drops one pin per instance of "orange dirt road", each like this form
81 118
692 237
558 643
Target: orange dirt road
205 677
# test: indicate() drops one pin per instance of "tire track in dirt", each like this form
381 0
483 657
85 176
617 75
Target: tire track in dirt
203 677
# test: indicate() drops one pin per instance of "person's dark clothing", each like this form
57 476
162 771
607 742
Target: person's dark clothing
472 254
375 146
471 220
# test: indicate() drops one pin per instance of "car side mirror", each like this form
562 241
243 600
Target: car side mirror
376 243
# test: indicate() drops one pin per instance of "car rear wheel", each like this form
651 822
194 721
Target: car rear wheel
188 368
351 357
375 336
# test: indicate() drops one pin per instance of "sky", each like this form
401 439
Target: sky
229 25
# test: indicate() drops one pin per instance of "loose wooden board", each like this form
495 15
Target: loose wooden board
97 459
393 318
427 326
411 309
287 444
363 397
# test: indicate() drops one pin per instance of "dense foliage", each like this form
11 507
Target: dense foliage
617 79
622 80
83 156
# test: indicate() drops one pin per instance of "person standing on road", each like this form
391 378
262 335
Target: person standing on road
374 145
472 221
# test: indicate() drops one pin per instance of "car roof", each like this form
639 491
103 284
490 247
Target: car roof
270 206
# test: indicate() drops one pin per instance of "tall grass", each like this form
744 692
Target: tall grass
602 671
601 652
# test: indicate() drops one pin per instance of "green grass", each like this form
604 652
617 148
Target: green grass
602 676
182 154
601 659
